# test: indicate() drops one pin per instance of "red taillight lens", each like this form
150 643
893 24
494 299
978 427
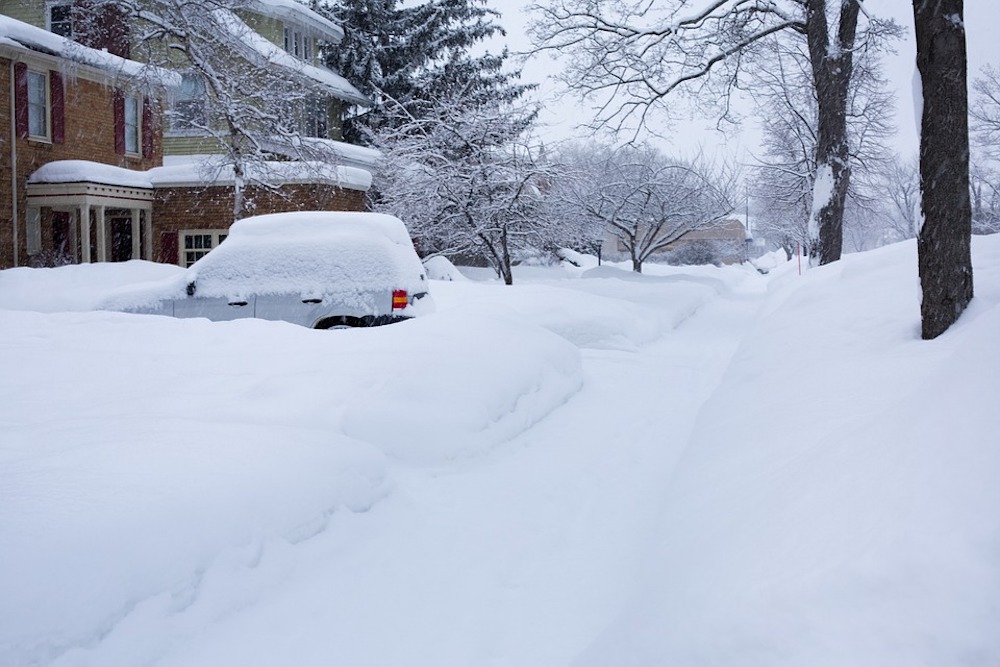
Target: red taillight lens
399 299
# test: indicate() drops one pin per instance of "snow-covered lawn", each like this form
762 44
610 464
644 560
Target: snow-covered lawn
696 466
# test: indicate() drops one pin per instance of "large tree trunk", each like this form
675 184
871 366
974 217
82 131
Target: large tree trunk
944 242
832 64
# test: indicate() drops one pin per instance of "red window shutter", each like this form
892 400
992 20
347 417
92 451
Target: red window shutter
147 128
119 104
169 248
21 100
58 101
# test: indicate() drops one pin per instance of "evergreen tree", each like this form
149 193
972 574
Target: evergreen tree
417 56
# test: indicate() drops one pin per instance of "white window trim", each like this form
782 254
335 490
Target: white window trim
138 125
298 42
47 115
198 99
183 250
49 6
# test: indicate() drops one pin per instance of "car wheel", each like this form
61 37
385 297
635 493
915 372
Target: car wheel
343 322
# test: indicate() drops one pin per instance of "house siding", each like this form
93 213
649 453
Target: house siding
29 12
189 208
6 196
178 144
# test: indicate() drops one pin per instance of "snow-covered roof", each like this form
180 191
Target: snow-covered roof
291 10
84 171
346 154
201 171
22 35
257 45
192 171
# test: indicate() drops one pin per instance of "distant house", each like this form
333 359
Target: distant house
720 243
181 206
723 243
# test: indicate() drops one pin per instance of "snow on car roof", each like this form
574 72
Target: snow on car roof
321 224
312 253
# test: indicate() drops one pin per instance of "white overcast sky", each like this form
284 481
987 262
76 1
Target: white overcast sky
563 115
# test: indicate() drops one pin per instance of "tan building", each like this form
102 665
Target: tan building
726 241
721 243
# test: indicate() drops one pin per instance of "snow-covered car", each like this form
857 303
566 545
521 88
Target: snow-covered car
319 269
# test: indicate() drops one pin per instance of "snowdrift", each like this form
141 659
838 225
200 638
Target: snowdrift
835 504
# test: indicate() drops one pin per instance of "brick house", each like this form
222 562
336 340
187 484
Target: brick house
66 103
84 165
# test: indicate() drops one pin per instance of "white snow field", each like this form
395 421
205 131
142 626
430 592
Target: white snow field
696 466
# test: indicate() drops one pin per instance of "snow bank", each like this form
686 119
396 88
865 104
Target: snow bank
608 309
440 268
829 509
129 492
76 287
468 400
120 499
824 495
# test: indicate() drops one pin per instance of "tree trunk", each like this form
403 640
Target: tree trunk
239 187
832 68
944 243
636 264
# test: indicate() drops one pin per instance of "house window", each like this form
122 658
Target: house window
197 243
38 105
315 118
60 19
133 110
297 43
190 107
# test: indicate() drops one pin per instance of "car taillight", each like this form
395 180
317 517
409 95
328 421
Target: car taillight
399 299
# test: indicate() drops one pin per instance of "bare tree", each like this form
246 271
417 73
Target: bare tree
787 107
984 111
984 115
635 56
944 242
899 183
571 225
984 185
466 179
644 200
250 97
